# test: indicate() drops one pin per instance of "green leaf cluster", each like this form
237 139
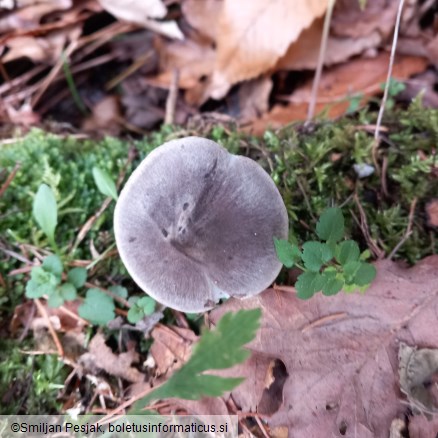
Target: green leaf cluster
98 307
217 349
140 307
329 265
47 280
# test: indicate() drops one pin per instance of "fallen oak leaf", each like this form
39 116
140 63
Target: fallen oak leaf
343 373
254 34
101 357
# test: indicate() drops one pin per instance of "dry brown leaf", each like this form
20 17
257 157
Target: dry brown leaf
143 12
432 50
203 16
254 34
421 427
432 213
100 356
171 348
193 60
341 353
39 49
253 98
360 76
349 20
29 17
303 54
105 118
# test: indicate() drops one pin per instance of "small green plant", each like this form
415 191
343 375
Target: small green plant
45 212
216 350
47 280
329 265
140 307
104 183
395 88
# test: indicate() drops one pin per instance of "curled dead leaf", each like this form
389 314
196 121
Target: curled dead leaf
254 34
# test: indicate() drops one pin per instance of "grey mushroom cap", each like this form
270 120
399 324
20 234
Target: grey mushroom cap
194 224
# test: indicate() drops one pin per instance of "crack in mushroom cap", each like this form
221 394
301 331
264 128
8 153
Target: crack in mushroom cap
194 224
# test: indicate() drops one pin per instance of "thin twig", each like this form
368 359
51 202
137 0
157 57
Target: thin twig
387 84
43 312
408 231
322 52
379 253
391 64
9 179
172 99
261 426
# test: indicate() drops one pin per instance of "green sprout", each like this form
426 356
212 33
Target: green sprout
329 265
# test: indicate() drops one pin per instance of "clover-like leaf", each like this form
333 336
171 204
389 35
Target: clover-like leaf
347 251
35 289
365 274
77 277
330 226
147 304
287 253
350 270
308 283
68 291
53 264
315 254
120 291
135 314
97 308
332 285
55 299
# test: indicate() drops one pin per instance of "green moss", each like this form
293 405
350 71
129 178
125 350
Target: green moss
29 383
312 166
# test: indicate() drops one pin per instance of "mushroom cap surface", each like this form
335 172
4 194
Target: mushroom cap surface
194 224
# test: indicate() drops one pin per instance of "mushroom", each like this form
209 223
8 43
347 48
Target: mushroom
195 224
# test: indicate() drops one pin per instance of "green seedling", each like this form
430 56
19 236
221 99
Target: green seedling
104 183
395 88
140 307
47 280
329 265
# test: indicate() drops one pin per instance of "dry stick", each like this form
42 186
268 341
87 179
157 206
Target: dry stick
172 98
54 72
386 91
379 253
322 51
9 179
130 70
45 315
408 231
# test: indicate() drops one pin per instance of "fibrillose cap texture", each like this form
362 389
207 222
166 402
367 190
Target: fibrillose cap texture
195 223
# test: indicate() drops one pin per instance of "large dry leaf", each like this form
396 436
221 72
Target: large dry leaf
349 20
253 34
303 54
341 353
361 76
202 16
30 15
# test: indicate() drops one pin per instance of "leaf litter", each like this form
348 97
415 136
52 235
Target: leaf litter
214 45
339 357
284 373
